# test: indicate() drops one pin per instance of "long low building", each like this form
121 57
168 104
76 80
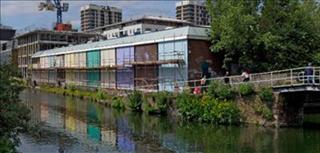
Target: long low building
158 61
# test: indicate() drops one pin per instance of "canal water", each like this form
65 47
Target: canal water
71 125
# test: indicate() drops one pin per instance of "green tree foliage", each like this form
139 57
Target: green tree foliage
13 114
265 35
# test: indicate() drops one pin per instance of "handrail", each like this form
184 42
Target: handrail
274 79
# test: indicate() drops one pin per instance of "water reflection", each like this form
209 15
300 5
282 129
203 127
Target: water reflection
73 125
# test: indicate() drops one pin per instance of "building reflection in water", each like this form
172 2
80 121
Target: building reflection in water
94 126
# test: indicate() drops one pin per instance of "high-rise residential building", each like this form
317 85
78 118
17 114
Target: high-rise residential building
93 16
193 11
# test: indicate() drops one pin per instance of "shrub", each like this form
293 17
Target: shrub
188 105
146 106
266 95
246 89
159 103
101 95
135 100
162 100
72 87
263 110
220 91
220 112
207 109
117 103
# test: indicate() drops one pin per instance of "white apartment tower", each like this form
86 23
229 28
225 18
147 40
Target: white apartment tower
193 11
93 16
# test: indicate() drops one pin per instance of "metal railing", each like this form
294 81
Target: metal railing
273 79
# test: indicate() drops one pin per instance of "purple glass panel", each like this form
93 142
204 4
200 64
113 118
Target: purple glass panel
125 55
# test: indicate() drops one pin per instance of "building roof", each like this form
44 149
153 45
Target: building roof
156 18
51 31
153 37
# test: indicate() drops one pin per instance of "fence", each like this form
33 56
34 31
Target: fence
273 79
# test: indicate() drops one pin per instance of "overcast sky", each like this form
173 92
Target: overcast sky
21 13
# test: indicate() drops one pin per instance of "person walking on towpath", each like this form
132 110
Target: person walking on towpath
308 72
245 76
226 77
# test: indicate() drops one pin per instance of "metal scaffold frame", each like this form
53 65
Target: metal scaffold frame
173 59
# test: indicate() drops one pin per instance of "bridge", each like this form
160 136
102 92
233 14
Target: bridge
289 80
295 92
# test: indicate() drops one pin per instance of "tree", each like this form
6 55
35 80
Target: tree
265 35
14 115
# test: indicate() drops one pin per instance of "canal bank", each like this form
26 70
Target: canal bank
76 125
221 104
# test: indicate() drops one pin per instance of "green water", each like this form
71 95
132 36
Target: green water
75 126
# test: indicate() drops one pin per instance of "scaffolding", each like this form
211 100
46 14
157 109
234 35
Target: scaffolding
149 74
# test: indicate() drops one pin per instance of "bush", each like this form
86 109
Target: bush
266 95
207 109
135 100
263 110
101 95
146 106
246 89
220 112
159 104
117 103
188 105
72 88
221 91
162 100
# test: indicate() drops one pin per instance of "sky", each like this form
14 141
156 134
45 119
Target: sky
23 14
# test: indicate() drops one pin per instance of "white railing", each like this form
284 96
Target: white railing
273 79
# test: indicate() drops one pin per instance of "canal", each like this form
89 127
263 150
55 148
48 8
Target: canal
71 125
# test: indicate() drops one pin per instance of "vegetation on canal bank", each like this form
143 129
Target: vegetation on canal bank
72 90
14 116
221 104
157 103
206 108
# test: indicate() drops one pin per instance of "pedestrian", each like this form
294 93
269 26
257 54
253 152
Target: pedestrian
203 82
308 72
197 90
176 87
245 76
226 77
